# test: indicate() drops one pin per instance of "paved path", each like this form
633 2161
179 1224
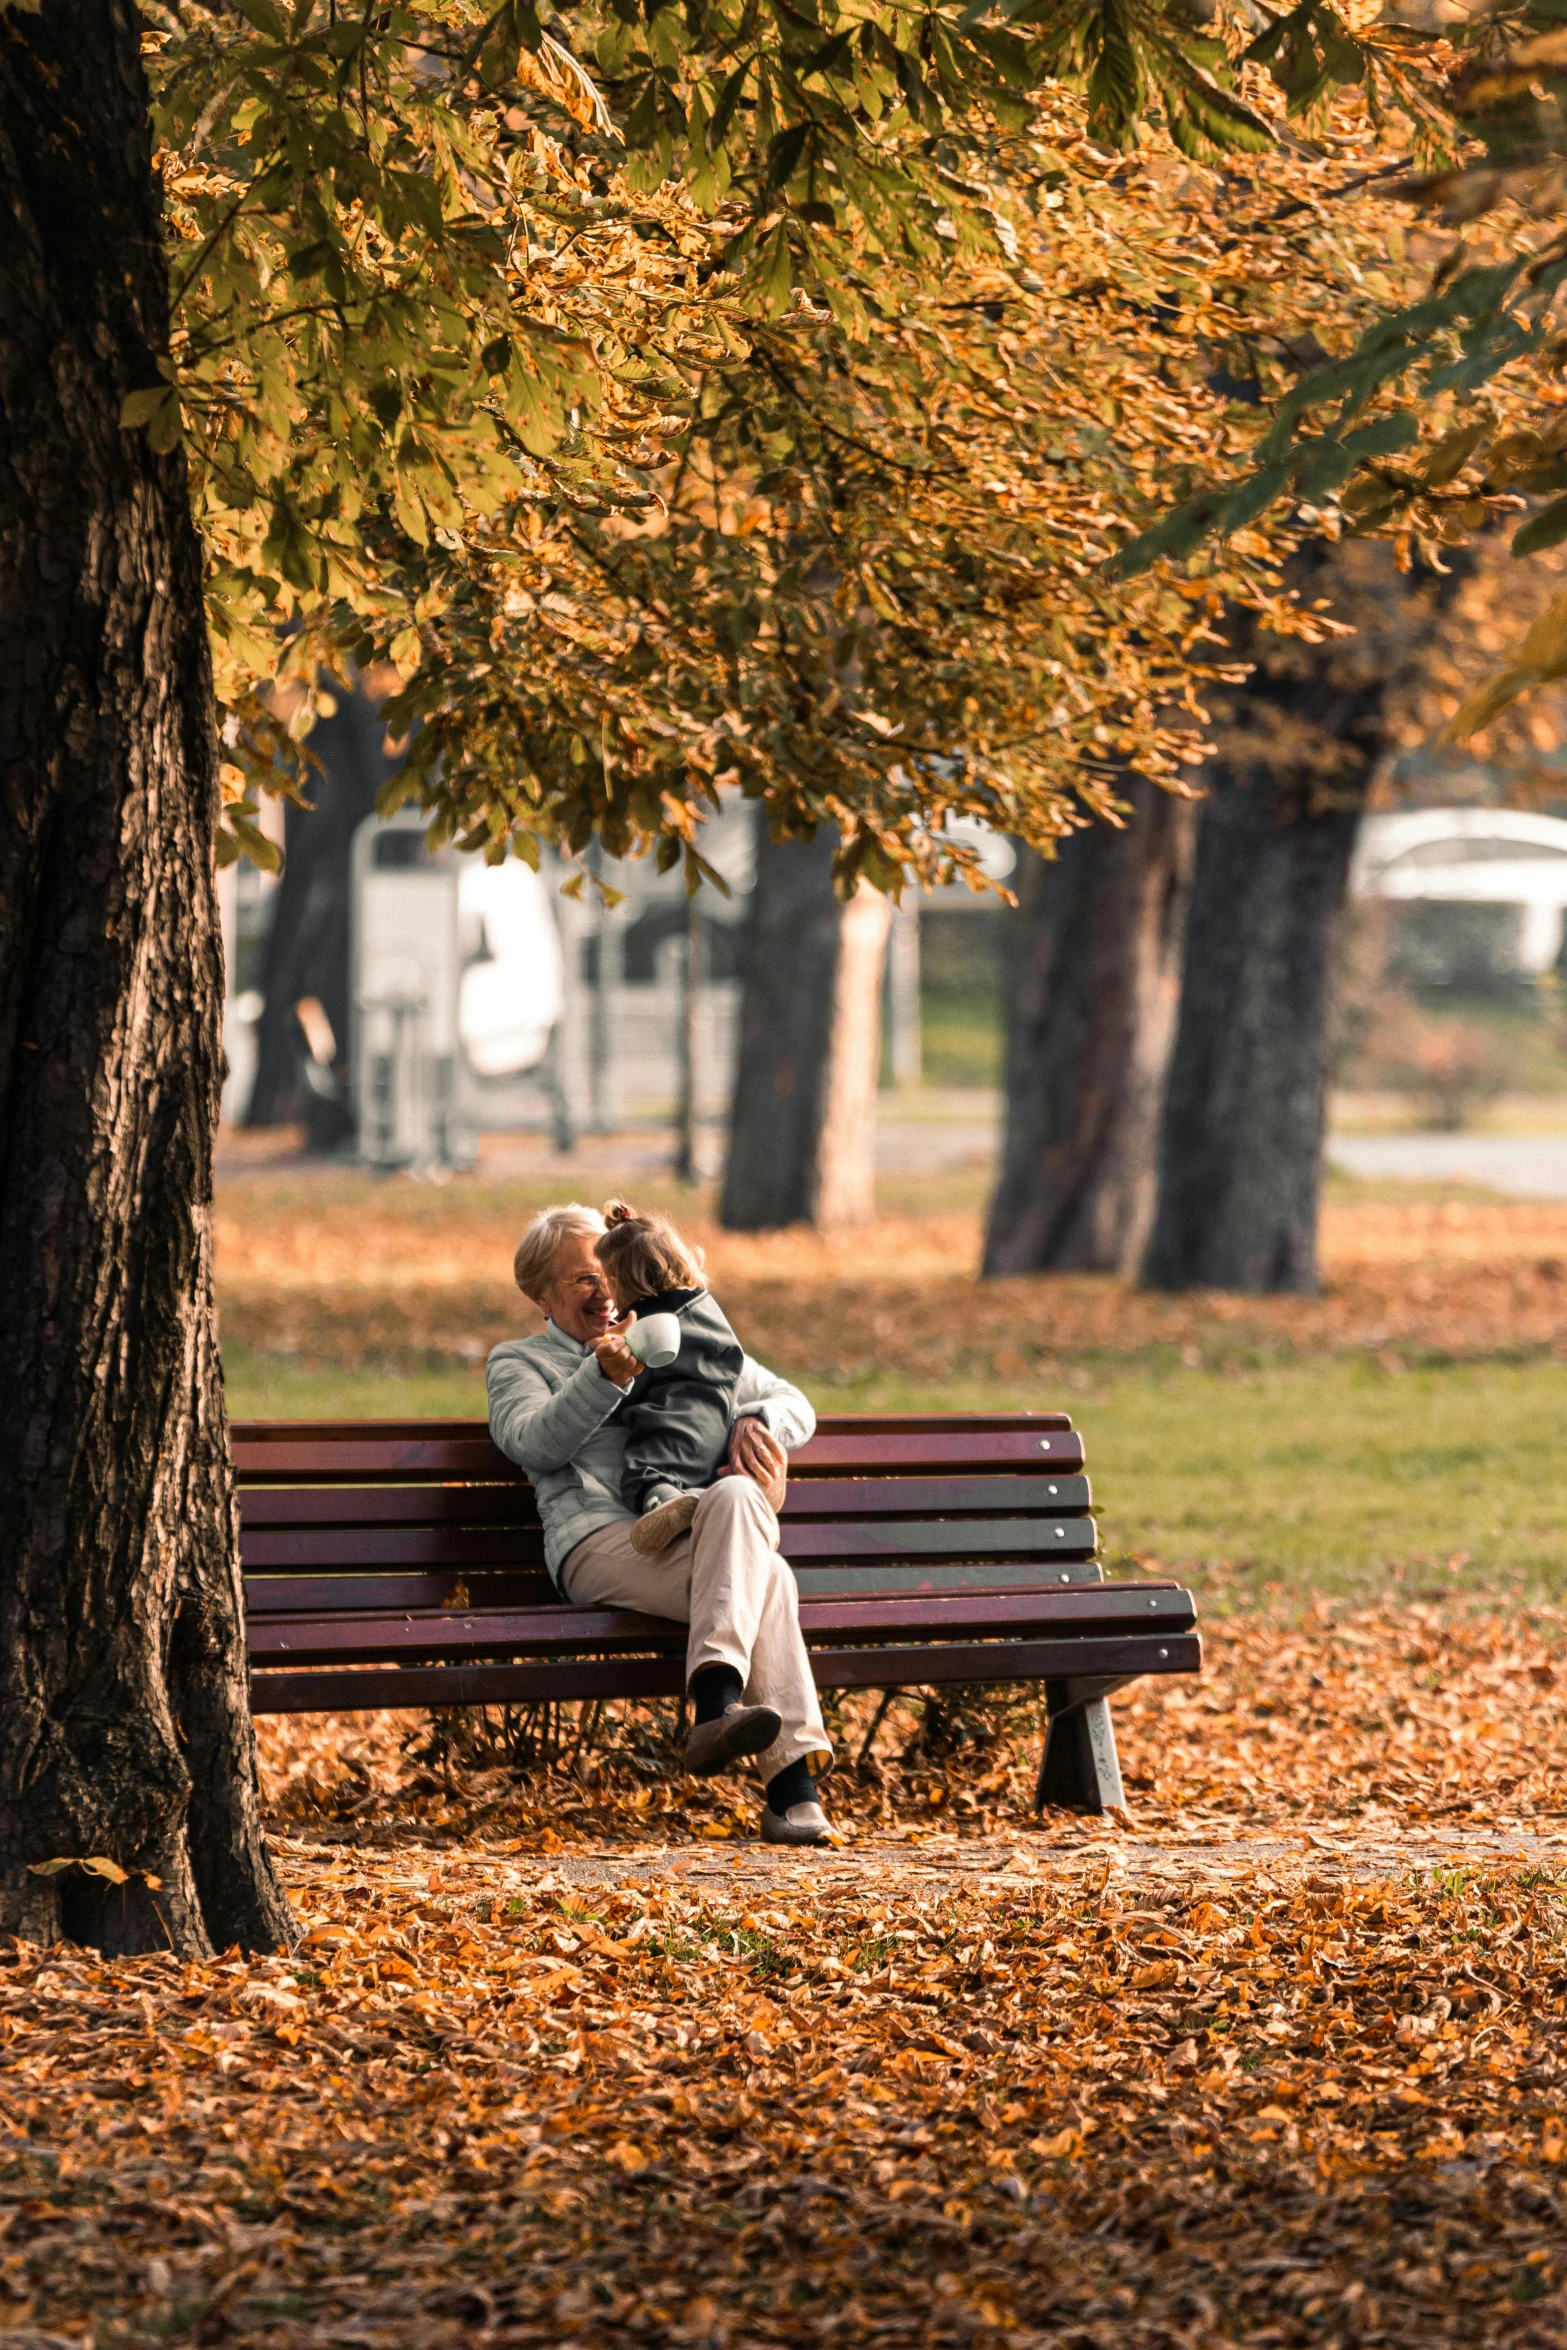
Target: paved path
1530 1166
929 1133
939 1132
1199 1854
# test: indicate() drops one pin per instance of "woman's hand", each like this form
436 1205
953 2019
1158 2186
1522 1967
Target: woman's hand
756 1454
616 1360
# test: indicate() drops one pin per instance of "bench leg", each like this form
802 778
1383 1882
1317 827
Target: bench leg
1080 1769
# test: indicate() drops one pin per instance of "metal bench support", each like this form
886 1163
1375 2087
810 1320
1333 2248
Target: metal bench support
1080 1769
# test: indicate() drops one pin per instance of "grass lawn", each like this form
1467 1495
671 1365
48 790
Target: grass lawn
961 1041
270 1387
1332 1474
1329 1475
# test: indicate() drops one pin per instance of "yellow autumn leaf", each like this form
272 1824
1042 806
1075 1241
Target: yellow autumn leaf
1540 659
98 1865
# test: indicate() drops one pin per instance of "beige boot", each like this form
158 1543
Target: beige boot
740 1730
802 1823
664 1525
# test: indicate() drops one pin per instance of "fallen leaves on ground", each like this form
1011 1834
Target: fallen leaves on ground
328 1268
884 2105
559 2068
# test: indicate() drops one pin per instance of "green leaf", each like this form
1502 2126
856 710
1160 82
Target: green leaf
724 108
264 17
777 272
1547 529
251 842
310 260
1254 497
158 410
1539 480
1541 659
1116 91
784 155
1453 452
915 97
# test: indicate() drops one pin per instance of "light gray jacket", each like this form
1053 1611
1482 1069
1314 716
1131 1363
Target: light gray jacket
550 1408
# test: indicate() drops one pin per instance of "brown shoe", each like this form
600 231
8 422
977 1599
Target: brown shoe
664 1525
740 1730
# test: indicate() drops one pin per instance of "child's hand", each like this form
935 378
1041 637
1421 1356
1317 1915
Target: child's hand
616 1360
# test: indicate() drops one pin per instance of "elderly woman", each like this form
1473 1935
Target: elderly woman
553 1406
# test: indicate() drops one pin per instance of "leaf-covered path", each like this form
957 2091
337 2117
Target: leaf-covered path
1281 2063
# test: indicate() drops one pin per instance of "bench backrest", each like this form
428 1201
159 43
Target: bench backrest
389 1514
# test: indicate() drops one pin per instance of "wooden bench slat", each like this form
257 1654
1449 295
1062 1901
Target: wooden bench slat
342 1458
1035 1574
961 1449
345 1548
261 1432
933 1423
353 1457
335 1691
264 1507
568 1631
369 1594
348 1595
935 1497
1057 1536
1060 1536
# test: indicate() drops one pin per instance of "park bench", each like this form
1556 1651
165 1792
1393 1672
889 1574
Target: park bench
400 1563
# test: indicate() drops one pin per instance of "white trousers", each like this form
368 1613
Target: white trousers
726 1581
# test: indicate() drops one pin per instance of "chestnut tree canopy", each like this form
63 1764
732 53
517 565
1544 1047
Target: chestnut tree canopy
758 391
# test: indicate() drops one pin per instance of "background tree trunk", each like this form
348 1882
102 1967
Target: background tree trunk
1241 1152
844 1189
1298 746
306 952
803 1131
124 1729
1092 987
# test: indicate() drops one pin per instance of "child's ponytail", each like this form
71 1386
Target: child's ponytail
644 1255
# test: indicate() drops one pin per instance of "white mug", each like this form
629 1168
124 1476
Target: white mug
656 1341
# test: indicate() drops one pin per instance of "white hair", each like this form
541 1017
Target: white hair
534 1263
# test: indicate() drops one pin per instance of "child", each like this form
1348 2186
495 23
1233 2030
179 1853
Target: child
677 1420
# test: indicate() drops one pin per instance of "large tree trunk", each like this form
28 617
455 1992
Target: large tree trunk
124 1727
803 1133
1092 983
306 950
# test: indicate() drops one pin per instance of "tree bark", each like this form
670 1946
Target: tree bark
843 1191
1092 981
124 1728
1240 1158
1241 1152
803 1131
306 951
688 1124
